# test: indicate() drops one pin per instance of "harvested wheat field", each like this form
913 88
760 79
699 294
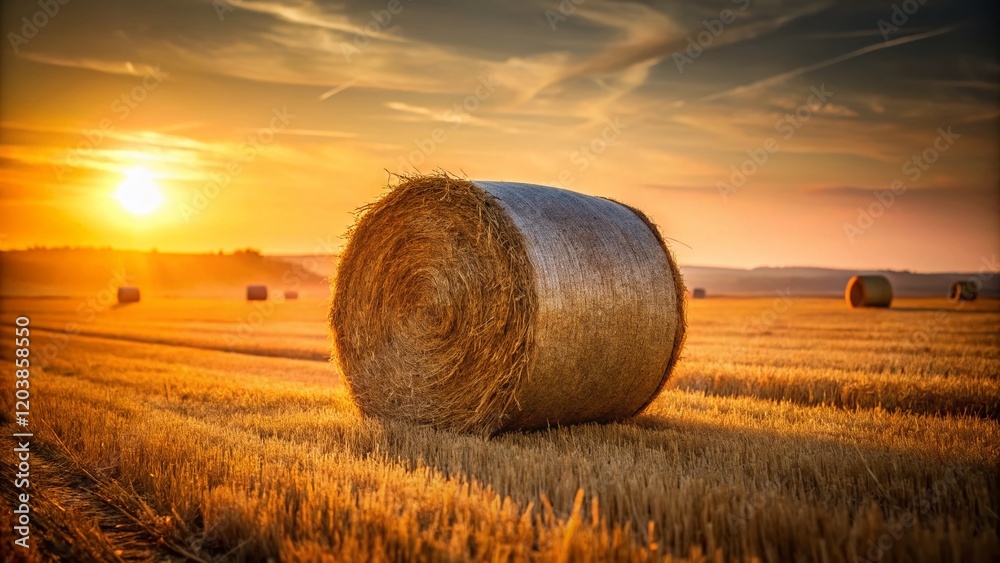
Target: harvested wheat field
806 432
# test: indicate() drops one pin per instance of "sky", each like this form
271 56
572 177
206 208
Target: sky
755 133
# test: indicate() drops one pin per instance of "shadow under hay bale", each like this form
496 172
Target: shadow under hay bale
128 294
963 290
698 293
256 293
491 306
868 291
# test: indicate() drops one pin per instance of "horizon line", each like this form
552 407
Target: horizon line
251 250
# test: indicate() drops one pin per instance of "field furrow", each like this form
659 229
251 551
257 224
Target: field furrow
268 455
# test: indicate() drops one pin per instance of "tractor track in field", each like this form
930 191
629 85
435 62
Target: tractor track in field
307 356
77 515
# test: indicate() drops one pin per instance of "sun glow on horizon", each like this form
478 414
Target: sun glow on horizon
138 192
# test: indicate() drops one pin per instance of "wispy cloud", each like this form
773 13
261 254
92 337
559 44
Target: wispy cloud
555 89
105 66
315 133
339 88
785 76
449 117
304 13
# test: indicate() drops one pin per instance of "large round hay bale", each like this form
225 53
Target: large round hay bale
491 306
256 293
964 290
128 294
868 291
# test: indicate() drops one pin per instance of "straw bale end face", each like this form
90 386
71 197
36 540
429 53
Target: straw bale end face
491 306
868 291
963 290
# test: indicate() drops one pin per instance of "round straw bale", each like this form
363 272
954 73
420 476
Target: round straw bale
698 293
868 291
491 306
256 293
964 290
128 294
291 294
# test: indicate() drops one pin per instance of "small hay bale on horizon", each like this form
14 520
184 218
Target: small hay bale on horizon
128 294
291 294
868 291
964 290
698 293
256 293
484 307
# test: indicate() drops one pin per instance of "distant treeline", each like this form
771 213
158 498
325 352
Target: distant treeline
81 271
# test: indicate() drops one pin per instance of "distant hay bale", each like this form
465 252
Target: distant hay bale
963 290
291 294
256 293
698 293
491 306
868 291
128 294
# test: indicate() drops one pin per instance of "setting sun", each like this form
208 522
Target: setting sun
138 192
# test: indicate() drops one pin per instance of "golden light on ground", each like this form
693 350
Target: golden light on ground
138 192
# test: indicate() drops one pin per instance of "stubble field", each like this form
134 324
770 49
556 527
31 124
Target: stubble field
792 430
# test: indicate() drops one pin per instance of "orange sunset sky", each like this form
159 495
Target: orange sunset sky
265 123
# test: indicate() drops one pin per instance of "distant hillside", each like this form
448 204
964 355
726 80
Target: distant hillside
71 272
823 281
323 266
84 271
